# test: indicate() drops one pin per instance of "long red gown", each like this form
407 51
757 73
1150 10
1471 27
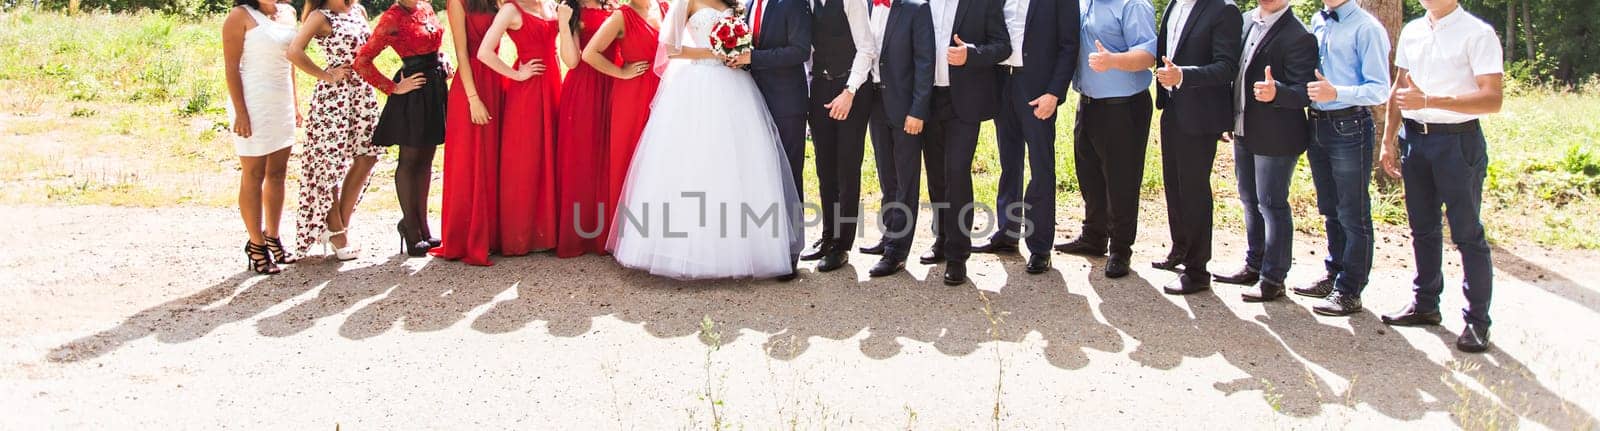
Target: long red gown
630 104
528 143
471 160
581 149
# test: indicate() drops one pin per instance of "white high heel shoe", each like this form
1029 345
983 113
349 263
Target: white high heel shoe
349 252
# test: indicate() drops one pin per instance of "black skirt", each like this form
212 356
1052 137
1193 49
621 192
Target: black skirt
415 119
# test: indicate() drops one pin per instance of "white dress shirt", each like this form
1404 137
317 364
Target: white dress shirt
1016 21
1175 22
944 22
855 11
878 24
1445 58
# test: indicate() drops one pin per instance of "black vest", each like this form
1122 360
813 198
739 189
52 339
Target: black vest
832 47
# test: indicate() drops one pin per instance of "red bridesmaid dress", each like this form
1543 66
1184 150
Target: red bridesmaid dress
581 149
471 160
630 103
528 142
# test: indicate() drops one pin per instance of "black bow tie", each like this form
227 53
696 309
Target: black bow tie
1330 14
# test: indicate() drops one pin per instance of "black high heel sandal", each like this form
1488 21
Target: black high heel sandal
413 249
260 259
280 255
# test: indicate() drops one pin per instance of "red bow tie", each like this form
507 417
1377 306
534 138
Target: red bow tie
880 3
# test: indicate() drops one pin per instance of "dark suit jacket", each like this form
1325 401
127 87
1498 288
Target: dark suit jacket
905 62
973 86
1279 128
1050 52
778 62
1208 53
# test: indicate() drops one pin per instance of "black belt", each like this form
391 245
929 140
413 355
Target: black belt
420 63
828 76
1417 127
1011 70
1086 100
1340 113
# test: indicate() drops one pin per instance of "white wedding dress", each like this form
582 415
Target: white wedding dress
709 194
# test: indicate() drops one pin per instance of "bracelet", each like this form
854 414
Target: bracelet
1425 101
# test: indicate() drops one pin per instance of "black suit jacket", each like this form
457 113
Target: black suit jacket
905 62
1279 128
1208 53
974 88
778 62
1050 51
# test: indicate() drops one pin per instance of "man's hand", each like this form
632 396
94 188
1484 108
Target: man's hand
1044 106
913 125
1100 60
839 108
741 60
1169 75
1267 89
1321 90
1389 157
1409 97
957 55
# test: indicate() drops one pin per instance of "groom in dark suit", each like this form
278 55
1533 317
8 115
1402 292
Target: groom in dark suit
966 92
904 77
782 34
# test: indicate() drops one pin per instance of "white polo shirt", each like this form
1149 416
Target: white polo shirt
1445 58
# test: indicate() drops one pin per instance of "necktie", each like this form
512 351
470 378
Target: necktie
1331 14
755 26
880 3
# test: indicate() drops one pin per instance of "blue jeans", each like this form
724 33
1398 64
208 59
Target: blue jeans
1447 170
1268 223
1340 156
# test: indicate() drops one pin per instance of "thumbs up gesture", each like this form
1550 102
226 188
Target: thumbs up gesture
1408 96
1321 90
1100 60
1267 88
1169 75
957 55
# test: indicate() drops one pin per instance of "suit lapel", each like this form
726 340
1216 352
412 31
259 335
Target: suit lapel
961 12
1189 22
1266 39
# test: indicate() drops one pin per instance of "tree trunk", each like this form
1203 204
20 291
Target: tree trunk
1391 13
1527 30
1511 30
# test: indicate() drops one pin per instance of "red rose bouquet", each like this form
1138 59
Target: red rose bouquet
730 37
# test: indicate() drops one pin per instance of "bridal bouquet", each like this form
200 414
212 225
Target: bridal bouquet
730 37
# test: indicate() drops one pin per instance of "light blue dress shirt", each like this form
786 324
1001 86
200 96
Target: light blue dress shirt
1354 56
1120 25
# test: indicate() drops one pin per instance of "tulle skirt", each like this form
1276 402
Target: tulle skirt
709 193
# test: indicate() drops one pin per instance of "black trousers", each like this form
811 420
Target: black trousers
792 133
899 159
1186 161
1019 136
839 146
950 144
1111 136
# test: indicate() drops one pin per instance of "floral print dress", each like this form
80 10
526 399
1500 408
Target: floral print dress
339 127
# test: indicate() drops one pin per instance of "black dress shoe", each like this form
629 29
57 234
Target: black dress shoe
1080 247
876 249
1411 317
1038 263
1263 291
1185 285
1338 304
1473 339
934 255
791 276
817 250
1245 276
1171 264
955 273
1319 289
835 259
996 246
886 267
1117 267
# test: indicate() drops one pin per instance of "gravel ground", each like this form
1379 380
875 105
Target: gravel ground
142 319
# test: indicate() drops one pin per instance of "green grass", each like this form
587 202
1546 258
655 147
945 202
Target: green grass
129 109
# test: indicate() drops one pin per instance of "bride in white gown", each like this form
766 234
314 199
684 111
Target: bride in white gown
709 193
